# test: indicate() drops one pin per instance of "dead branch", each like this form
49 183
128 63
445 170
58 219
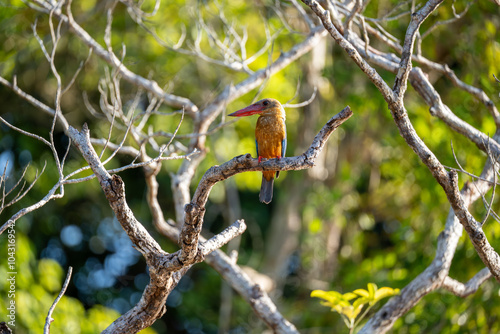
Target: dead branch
434 275
48 320
464 290
189 237
165 268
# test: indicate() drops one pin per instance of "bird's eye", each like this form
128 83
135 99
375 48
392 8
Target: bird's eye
266 103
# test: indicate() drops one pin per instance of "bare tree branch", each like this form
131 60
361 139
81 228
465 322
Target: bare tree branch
448 181
405 64
464 290
166 269
434 275
48 320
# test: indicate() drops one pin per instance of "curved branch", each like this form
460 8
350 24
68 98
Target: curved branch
189 236
464 290
48 320
245 163
405 64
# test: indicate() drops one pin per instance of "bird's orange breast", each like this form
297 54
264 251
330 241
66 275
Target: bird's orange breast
270 133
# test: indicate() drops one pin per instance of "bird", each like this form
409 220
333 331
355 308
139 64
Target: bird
270 138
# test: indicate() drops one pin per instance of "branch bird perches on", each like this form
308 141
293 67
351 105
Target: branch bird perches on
167 269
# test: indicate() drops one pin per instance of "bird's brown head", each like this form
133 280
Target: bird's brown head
263 107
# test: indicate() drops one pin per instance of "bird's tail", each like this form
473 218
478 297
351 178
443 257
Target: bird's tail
266 189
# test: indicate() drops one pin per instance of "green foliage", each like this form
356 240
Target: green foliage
349 305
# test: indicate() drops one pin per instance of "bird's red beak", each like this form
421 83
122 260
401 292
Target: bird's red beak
250 110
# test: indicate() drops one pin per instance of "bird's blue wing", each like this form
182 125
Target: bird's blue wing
283 150
283 147
283 142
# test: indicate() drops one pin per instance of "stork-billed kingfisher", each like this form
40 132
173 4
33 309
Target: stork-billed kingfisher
270 138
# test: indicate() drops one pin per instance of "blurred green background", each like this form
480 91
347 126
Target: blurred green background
368 212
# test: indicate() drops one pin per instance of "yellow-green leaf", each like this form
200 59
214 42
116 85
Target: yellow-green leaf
362 293
384 292
349 296
360 302
351 312
330 296
343 303
372 289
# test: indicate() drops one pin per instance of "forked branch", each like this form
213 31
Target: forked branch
166 269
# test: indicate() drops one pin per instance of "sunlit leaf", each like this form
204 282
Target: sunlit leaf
349 296
352 312
362 293
331 296
360 302
372 288
384 292
341 303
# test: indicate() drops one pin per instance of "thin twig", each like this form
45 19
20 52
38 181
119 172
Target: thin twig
464 290
75 75
304 103
455 18
48 320
26 133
